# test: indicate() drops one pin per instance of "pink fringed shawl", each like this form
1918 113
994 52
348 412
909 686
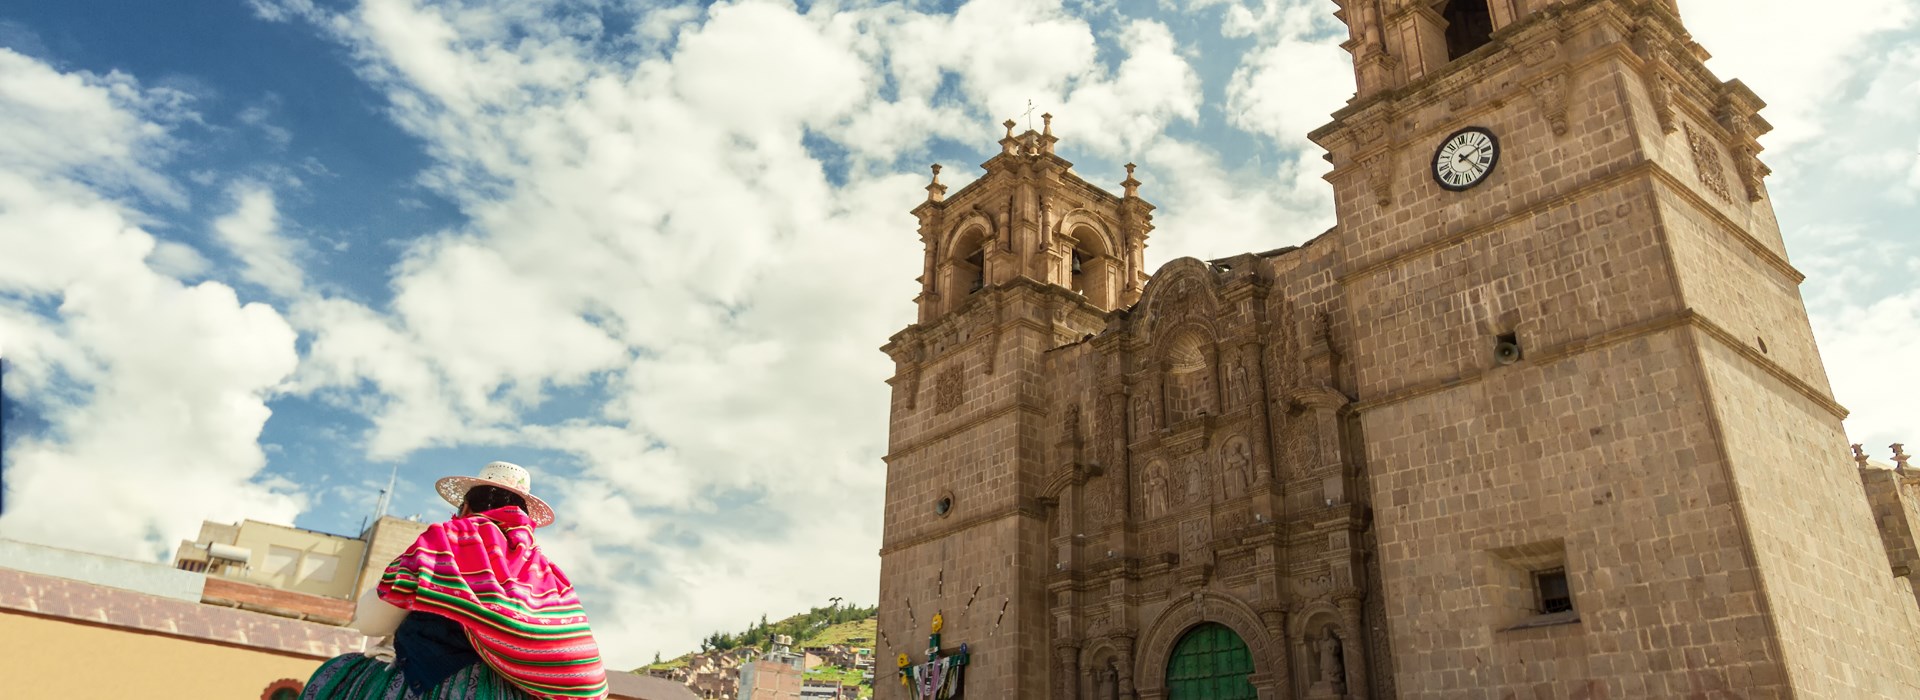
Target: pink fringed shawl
519 610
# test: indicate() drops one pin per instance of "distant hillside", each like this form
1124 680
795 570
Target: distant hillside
834 624
859 633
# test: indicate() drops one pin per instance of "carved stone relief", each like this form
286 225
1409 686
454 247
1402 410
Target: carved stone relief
1313 587
1142 415
1550 96
1099 492
1379 174
947 390
1196 540
1706 160
1194 481
1108 449
1660 92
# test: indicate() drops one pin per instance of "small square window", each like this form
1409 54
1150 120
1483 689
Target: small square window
1555 596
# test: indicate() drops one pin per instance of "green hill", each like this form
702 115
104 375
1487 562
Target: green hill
834 624
859 633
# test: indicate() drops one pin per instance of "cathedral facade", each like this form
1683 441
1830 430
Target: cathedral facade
1541 416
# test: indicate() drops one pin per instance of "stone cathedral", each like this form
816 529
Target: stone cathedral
1541 416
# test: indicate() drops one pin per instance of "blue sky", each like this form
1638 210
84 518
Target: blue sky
261 253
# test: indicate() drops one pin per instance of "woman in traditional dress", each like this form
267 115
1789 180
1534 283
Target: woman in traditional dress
473 610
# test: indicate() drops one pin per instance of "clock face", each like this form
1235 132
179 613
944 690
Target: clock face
1466 158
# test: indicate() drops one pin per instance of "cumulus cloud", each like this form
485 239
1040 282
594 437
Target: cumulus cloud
1288 87
1798 84
154 389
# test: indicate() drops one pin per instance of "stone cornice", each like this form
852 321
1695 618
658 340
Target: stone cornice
1024 509
1682 318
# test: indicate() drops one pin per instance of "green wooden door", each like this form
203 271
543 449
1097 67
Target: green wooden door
1210 663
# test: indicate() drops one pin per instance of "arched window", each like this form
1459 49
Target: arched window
1189 379
283 689
1469 26
969 255
1090 269
1210 662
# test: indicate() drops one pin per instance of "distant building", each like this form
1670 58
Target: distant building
771 679
632 686
63 613
290 571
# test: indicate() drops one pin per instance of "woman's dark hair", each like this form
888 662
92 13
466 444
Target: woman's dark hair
483 498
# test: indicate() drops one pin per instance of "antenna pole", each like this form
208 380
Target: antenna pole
386 496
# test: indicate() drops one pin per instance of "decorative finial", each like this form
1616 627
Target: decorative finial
1130 186
1900 457
1046 123
1859 456
936 191
1010 124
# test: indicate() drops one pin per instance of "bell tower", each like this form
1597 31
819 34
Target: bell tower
1597 429
1031 218
1023 260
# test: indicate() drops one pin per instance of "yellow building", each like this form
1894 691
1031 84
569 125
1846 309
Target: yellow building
64 615
290 571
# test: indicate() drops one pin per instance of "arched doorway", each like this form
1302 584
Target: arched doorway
1210 662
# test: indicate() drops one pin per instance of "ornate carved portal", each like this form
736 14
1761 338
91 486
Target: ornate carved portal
1222 497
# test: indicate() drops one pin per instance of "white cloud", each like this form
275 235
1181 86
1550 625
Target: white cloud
1869 354
1153 87
154 389
1225 212
57 121
260 116
252 232
1287 88
177 260
730 73
1790 53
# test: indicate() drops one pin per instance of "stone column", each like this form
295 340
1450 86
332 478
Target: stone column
1253 362
1067 677
1160 408
1218 379
1418 37
1275 620
1354 646
1123 647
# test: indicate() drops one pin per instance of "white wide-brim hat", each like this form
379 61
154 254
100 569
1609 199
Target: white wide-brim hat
506 475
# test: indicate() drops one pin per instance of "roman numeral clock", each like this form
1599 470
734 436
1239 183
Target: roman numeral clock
1466 158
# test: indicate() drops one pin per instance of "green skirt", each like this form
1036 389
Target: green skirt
360 677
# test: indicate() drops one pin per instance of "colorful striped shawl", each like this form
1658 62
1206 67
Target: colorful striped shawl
485 572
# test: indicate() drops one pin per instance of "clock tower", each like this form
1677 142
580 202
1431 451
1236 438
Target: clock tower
1603 455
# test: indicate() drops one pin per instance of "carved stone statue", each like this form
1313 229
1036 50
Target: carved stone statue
1236 462
1156 489
1237 384
1106 682
1333 668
